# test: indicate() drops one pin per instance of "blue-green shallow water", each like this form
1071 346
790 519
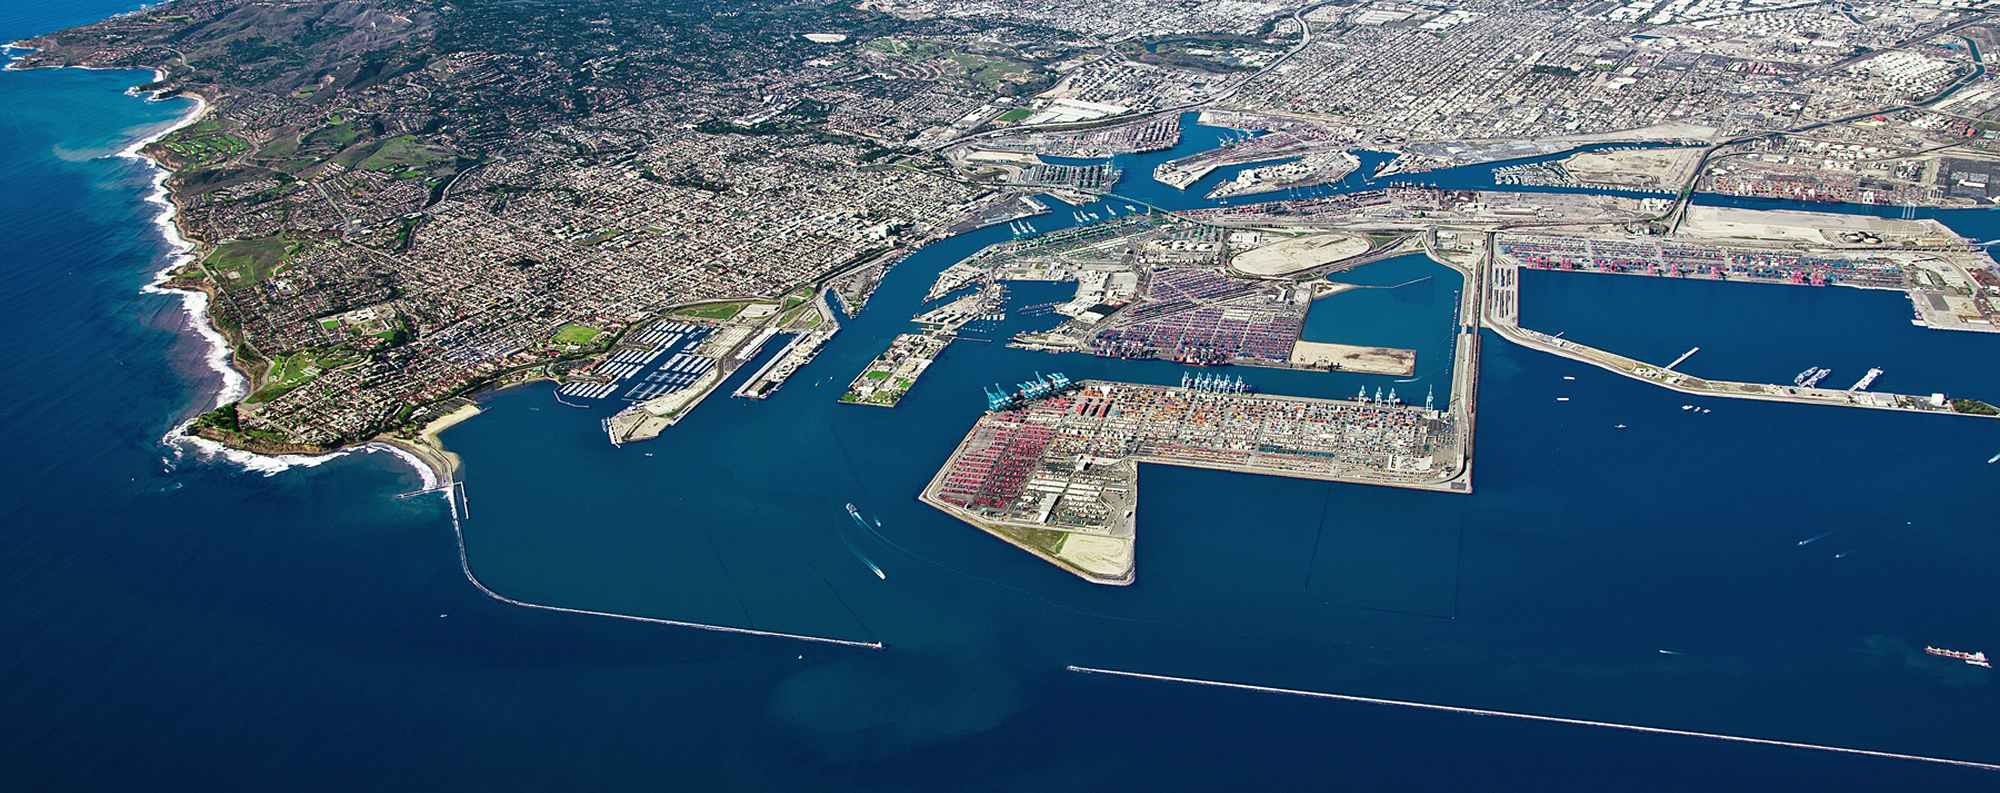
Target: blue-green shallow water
179 624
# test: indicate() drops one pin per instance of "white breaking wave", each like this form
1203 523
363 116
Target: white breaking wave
180 252
273 464
234 385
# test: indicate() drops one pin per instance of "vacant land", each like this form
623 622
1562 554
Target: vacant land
713 310
1291 256
405 156
576 334
1349 358
242 263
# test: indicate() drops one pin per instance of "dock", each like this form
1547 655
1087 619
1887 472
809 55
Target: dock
1057 476
798 352
896 370
1502 314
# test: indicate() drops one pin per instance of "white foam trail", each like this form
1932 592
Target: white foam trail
195 304
274 464
1533 717
857 551
1993 459
428 476
180 252
1816 538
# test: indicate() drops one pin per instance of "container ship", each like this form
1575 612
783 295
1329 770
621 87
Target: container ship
1041 386
1976 659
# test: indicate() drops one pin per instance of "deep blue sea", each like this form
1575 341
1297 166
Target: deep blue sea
169 622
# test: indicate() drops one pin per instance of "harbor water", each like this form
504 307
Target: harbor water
171 620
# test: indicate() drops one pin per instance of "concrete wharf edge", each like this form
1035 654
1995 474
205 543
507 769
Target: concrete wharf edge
1609 361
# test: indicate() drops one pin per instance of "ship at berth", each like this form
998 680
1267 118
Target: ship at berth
1042 386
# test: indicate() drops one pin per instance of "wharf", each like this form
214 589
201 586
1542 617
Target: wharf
894 372
1501 309
1058 477
801 350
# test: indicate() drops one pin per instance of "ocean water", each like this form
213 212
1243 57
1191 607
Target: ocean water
170 621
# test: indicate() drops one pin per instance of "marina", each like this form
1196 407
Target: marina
631 374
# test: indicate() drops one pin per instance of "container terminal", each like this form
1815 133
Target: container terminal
1052 468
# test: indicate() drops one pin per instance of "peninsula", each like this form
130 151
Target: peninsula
397 204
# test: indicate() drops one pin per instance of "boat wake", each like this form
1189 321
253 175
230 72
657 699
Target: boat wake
856 515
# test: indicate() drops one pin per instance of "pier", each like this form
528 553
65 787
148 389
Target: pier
1058 476
1683 359
894 372
1502 314
797 353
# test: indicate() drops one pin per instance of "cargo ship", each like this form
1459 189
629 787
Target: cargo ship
1976 659
1042 386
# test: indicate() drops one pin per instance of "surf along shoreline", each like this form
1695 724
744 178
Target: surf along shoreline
436 466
